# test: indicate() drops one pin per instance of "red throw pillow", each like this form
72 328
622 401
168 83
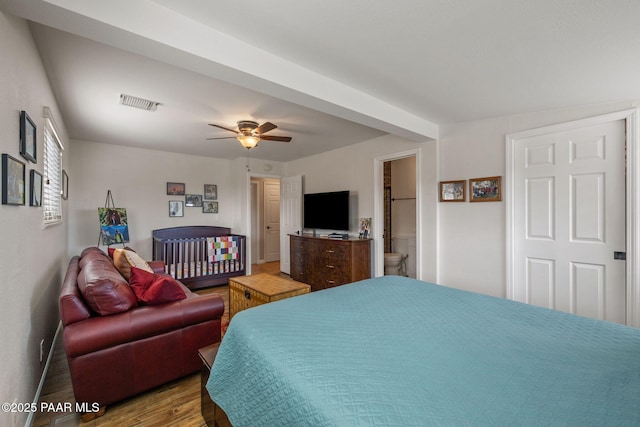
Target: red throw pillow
152 289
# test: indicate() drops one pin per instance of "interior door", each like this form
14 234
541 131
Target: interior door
271 220
290 216
569 221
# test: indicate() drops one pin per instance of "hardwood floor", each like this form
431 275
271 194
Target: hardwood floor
175 403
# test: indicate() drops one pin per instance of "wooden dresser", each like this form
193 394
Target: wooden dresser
325 263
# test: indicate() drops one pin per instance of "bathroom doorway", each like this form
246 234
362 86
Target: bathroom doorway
400 216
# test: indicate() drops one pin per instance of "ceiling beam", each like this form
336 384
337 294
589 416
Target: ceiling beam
149 29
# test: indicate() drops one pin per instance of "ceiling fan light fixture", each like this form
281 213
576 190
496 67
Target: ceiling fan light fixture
248 141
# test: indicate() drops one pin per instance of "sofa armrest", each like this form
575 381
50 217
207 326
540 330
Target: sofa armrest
156 266
102 332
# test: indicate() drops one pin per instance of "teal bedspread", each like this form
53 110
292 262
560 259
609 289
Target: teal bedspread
394 351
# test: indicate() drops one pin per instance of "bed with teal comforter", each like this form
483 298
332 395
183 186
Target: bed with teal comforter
394 351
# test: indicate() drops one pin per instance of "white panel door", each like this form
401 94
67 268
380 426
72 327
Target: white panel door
271 220
569 220
290 216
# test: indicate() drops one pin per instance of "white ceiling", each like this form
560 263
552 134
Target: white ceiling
402 67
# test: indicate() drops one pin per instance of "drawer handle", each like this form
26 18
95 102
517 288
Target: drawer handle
329 251
247 294
330 266
331 282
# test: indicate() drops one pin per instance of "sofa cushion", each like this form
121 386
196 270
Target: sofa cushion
91 250
153 289
124 259
95 257
111 250
103 288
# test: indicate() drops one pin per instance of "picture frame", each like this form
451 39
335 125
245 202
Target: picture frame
175 188
365 228
176 208
193 200
453 191
65 185
35 189
210 192
488 189
210 207
13 181
28 145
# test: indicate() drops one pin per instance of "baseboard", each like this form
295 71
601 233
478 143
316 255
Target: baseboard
36 398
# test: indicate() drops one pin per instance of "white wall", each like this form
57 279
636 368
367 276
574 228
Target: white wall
33 259
352 168
472 249
137 179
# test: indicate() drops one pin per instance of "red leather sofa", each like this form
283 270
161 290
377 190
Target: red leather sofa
115 356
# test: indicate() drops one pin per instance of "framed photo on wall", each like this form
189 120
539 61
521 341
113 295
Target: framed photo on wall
210 207
453 191
210 192
176 208
193 200
27 137
35 193
175 188
13 179
485 189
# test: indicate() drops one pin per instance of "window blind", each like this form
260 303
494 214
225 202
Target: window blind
52 201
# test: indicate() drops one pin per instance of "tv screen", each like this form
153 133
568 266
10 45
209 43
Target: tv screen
327 211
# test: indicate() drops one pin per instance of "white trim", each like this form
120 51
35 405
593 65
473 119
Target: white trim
633 200
633 222
43 377
378 209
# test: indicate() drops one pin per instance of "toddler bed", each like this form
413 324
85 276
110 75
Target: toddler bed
394 351
200 256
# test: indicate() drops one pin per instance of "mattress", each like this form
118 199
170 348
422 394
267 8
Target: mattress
394 351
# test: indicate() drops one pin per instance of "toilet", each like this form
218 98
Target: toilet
393 263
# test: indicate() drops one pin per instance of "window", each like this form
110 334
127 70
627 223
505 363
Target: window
52 201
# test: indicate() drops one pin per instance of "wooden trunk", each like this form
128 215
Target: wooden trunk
251 291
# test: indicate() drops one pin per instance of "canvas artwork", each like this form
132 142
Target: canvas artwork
113 225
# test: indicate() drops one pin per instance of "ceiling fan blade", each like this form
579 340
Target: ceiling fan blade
265 127
225 128
222 137
276 138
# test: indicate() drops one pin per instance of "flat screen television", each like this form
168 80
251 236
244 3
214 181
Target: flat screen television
327 211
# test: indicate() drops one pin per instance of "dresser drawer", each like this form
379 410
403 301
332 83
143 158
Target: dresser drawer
335 252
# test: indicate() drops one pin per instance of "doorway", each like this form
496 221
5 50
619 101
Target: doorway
399 234
401 200
265 219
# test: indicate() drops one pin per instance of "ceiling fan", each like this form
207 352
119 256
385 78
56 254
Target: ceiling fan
249 133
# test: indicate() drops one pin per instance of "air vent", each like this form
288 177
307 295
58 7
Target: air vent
143 104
